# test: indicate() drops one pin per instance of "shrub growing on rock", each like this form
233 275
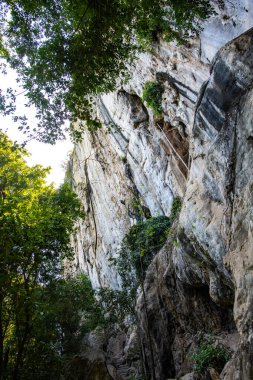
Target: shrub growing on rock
210 355
175 208
144 240
152 95
139 246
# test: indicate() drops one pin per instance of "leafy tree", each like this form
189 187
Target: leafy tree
65 51
66 310
39 311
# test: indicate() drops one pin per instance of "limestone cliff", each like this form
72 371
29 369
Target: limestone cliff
200 150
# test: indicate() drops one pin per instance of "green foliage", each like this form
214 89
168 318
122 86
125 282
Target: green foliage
135 377
64 311
137 210
176 243
35 219
152 95
175 208
117 304
123 159
144 240
42 316
210 355
66 52
139 246
171 19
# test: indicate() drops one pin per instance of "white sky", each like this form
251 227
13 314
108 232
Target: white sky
44 154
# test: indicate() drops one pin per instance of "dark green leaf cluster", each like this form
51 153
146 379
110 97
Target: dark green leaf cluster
144 240
7 102
42 316
175 208
64 52
170 19
139 246
210 355
63 312
67 52
152 95
117 304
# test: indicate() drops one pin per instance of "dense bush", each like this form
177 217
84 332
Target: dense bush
152 95
175 208
117 304
210 355
63 312
139 246
144 240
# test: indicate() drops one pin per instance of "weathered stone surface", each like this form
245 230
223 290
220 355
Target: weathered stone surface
229 22
220 215
118 350
136 158
188 376
177 315
192 283
135 161
107 193
89 366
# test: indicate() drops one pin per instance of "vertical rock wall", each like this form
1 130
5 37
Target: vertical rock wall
218 206
193 281
201 150
140 159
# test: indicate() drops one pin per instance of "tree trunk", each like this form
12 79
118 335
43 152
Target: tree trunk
24 337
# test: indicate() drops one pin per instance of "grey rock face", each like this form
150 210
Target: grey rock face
89 366
194 283
220 216
118 349
189 287
107 195
230 21
137 159
178 313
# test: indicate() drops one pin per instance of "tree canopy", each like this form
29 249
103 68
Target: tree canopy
65 51
41 314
